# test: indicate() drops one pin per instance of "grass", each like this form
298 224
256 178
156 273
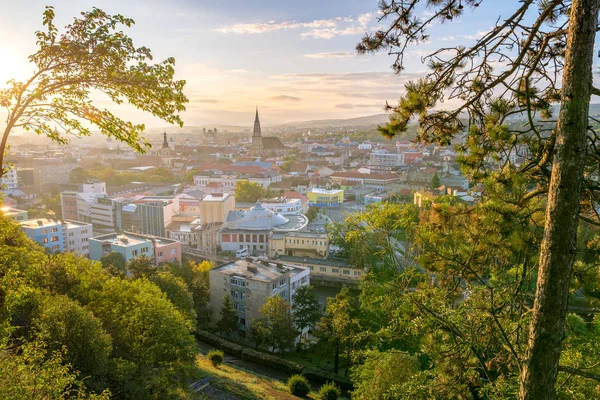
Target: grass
242 383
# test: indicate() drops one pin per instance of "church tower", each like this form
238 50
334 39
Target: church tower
256 148
165 141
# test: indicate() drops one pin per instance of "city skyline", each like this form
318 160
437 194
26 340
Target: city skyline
295 63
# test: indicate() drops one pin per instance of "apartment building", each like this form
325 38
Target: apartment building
132 245
76 236
58 236
250 284
384 161
148 215
52 170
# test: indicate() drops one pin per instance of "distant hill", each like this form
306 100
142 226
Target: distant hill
336 123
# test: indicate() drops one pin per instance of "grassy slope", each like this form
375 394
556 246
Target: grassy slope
243 384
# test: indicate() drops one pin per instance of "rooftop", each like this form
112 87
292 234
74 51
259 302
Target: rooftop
127 239
265 271
38 223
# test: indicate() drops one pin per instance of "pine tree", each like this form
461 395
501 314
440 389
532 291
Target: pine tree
229 319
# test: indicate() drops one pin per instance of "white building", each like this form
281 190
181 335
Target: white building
384 161
9 180
76 236
284 206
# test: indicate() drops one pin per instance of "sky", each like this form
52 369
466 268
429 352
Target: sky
294 59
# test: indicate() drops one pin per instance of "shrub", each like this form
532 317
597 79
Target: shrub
322 376
222 344
298 385
215 357
329 391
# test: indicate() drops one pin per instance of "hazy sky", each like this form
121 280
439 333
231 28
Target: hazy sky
294 59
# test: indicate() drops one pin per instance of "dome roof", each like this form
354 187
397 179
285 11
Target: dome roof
259 218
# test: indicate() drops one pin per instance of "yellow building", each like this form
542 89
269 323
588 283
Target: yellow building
299 244
325 197
215 207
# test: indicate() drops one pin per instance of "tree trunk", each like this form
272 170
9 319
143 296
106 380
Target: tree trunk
336 358
562 212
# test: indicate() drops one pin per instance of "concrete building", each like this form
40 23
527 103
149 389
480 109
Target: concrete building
367 180
76 237
329 269
382 161
325 197
250 284
9 180
215 207
75 201
52 170
299 244
46 232
149 215
194 233
132 245
251 228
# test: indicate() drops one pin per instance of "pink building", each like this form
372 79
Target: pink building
166 250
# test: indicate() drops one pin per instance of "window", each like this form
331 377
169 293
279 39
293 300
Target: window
235 306
53 230
242 308
303 280
323 269
144 250
235 294
281 282
274 286
346 271
335 270
54 239
55 247
173 251
44 231
160 253
70 233
356 273
45 240
237 281
135 252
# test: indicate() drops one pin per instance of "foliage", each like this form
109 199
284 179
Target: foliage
215 357
65 320
367 239
249 192
196 277
259 332
306 308
141 267
276 318
114 263
329 391
91 55
435 181
229 319
177 292
298 385
382 374
312 213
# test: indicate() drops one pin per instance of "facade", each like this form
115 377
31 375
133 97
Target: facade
46 232
251 228
148 215
226 182
332 269
367 180
76 237
195 234
384 161
132 245
75 202
9 180
299 244
325 197
250 284
215 207
52 170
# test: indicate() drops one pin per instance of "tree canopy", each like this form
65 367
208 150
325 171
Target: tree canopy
91 57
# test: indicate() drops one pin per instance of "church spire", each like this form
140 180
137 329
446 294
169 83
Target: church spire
256 132
165 142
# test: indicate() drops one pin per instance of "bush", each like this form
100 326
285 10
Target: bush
329 391
298 385
215 357
271 361
222 344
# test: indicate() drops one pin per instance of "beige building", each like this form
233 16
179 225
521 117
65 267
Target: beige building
250 284
299 244
331 269
215 207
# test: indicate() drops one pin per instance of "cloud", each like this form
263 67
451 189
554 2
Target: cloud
337 54
285 98
319 28
206 100
345 106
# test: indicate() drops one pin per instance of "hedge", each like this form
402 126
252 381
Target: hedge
322 376
271 361
221 344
